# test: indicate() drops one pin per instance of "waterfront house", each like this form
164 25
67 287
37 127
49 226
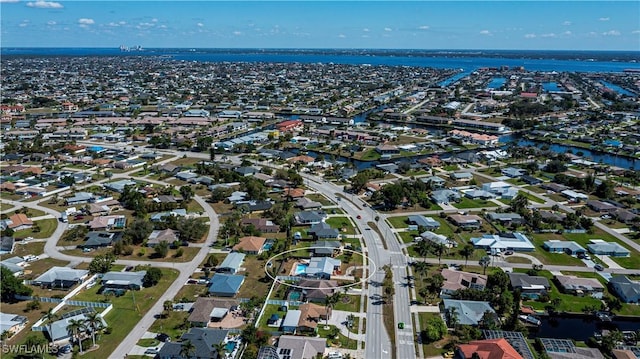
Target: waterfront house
468 312
455 280
626 289
530 286
580 286
487 349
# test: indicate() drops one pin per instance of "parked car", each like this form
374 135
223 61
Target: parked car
151 351
598 267
359 217
508 253
401 325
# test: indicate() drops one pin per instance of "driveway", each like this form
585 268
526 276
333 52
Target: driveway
609 262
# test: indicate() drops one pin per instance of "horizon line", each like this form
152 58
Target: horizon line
307 48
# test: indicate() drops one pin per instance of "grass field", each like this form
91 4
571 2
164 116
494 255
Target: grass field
349 303
47 227
343 224
173 325
398 222
256 283
471 203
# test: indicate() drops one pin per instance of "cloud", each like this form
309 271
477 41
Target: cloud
366 29
566 23
154 20
551 34
611 33
388 29
485 32
41 4
530 36
9 1
567 33
51 22
342 36
635 32
237 33
199 24
423 27
85 21
23 24
604 19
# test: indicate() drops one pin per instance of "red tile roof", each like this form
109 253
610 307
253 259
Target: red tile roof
490 349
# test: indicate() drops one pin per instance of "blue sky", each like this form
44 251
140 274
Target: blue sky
556 25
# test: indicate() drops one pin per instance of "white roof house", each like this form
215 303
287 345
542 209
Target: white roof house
498 243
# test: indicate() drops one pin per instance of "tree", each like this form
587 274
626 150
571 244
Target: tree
519 203
452 317
434 283
186 192
138 231
10 286
466 252
435 329
212 261
330 301
101 263
187 349
605 190
191 229
484 263
93 321
220 349
152 277
162 249
75 327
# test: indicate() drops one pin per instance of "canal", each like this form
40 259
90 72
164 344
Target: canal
579 327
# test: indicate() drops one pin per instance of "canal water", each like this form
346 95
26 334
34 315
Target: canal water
616 88
496 83
579 327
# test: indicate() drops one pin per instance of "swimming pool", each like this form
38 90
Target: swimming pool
300 269
230 346
294 296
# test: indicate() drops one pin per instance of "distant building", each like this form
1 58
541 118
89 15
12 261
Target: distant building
614 249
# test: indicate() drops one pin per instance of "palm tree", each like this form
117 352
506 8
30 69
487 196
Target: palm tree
50 317
220 349
74 328
484 262
329 302
93 322
187 349
466 252
453 317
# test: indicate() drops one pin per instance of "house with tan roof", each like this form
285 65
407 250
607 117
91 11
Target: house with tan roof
310 315
108 222
250 245
210 310
19 221
455 280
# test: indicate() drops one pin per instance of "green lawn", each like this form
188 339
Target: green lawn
47 227
471 203
341 341
398 222
194 206
370 155
632 261
148 342
349 303
547 257
173 325
431 349
269 310
125 314
319 198
343 224
407 237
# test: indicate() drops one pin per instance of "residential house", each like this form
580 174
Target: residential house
513 172
461 176
254 206
123 280
19 221
295 347
468 312
250 245
487 349
601 207
231 263
322 267
498 243
530 180
325 248
625 216
158 217
12 323
435 181
323 231
185 175
614 249
580 286
505 218
204 340
167 235
565 349
118 186
294 193
455 280
79 198
445 196
58 332
261 224
425 222
108 222
502 189
307 204
387 149
529 286
101 239
211 310
310 315
569 247
246 171
466 221
61 277
315 290
574 196
15 265
626 289
309 217
7 244
225 285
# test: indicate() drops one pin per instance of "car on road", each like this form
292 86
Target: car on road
163 337
598 267
401 325
151 351
508 253
359 217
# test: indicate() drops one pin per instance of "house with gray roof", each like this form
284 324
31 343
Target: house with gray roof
445 196
322 267
290 322
461 176
101 239
14 264
186 175
626 289
325 248
614 249
123 280
580 286
7 244
468 312
168 235
505 218
296 347
305 203
79 198
206 310
435 181
58 332
309 217
203 339
438 239
118 186
323 231
178 212
61 277
422 221
12 323
231 263
225 285
558 246
529 286
513 172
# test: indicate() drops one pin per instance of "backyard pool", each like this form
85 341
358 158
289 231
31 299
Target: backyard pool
230 346
267 245
294 296
300 269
